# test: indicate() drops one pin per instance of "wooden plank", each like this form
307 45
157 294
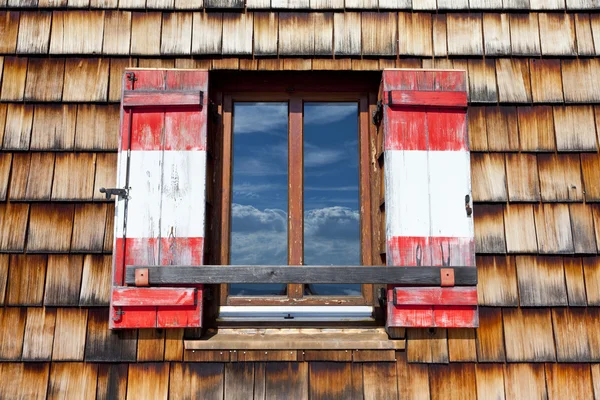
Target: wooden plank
13 79
513 81
176 37
426 98
498 281
69 335
575 128
265 34
488 177
97 129
575 282
569 380
331 380
237 33
541 281
560 177
34 32
13 226
524 34
546 81
482 81
95 280
20 173
148 380
86 79
414 34
440 46
502 123
557 34
536 128
380 380
207 36
151 345
12 327
164 98
379 34
490 381
528 335
489 235
461 345
117 32
520 229
88 228
583 32
39 184
123 296
74 176
347 39
465 34
327 355
211 274
416 374
286 377
478 140
435 296
591 273
5 167
571 337
424 345
112 381
26 283
496 34
240 381
145 33
197 380
50 228
551 220
590 167
63 280
296 34
39 334
174 344
76 32
490 336
323 34
54 128
452 381
72 380
104 345
580 80
525 381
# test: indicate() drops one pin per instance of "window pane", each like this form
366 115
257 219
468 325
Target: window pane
259 194
331 197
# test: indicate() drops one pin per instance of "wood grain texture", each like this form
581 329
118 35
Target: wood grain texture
117 32
590 167
560 177
557 34
88 228
461 345
74 176
12 327
104 345
13 79
541 281
53 127
148 380
347 39
490 336
331 380
536 128
207 34
176 36
513 81
86 79
97 129
296 34
496 34
570 332
379 34
522 177
426 345
237 34
63 280
591 271
26 284
72 380
525 381
19 176
575 281
34 32
497 281
584 37
465 34
265 34
5 167
570 380
453 380
490 381
476 118
580 80
488 177
112 381
151 344
76 32
288 377
528 335
39 334
520 229
106 171
414 34
553 229
50 228
380 380
95 281
489 228
13 226
42 85
546 81
575 128
193 380
502 125
69 336
524 34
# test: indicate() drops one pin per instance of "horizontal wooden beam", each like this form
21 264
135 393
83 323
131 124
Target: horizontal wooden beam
427 99
162 98
454 296
212 274
139 297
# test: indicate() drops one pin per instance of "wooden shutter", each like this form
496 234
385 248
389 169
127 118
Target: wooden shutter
160 221
429 219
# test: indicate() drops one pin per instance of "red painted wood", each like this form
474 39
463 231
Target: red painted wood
432 316
407 128
426 99
460 296
411 79
155 296
148 79
432 251
162 98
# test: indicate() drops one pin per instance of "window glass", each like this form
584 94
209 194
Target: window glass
331 196
259 191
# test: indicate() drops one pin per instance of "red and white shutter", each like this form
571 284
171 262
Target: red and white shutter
428 194
162 163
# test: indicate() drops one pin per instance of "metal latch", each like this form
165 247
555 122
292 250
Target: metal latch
120 193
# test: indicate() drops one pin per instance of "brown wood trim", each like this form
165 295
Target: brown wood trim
303 301
364 189
296 190
226 159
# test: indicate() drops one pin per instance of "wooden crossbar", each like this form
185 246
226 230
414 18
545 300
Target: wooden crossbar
214 274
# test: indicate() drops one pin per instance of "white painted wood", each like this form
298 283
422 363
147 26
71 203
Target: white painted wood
406 193
120 204
183 194
306 313
424 5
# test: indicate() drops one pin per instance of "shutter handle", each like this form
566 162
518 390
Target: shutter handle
120 193
468 205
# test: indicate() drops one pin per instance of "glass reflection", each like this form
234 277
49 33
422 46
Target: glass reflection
259 193
331 196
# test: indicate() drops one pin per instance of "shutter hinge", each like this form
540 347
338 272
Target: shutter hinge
131 76
118 314
382 297
378 113
120 193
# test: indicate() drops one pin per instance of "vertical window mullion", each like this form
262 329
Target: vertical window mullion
295 191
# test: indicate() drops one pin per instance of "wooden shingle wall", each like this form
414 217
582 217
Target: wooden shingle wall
534 122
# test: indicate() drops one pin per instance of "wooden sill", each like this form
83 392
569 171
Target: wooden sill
296 339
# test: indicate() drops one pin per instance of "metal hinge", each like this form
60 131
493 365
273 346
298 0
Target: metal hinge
378 113
131 76
118 314
120 193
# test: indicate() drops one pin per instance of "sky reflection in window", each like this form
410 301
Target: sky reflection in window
331 196
259 192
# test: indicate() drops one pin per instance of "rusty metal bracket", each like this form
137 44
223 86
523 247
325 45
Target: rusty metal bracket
378 113
120 193
447 277
141 277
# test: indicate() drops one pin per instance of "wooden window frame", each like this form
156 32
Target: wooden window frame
296 102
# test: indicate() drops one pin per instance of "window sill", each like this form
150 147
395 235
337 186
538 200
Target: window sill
296 339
